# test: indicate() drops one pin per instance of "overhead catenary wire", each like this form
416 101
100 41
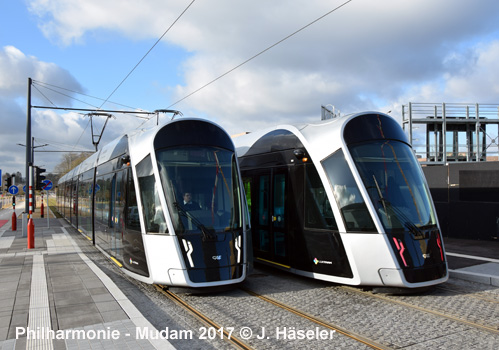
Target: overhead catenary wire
147 53
126 77
94 108
53 89
41 93
259 53
60 147
222 75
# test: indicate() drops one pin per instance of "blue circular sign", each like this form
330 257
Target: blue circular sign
13 190
48 185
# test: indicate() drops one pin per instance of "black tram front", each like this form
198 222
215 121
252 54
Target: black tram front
400 196
200 180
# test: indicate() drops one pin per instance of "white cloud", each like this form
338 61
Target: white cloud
480 82
15 68
367 55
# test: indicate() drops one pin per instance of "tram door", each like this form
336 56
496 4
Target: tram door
117 217
269 217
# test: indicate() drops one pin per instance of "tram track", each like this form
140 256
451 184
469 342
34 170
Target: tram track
285 309
355 336
370 343
238 343
490 329
226 334
429 315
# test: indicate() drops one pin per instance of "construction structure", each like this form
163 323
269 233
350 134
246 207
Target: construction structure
457 145
452 132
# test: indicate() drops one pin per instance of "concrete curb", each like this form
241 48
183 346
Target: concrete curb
475 277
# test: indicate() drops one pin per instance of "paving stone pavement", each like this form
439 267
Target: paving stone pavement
55 297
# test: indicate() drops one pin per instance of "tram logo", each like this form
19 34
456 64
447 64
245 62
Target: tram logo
317 261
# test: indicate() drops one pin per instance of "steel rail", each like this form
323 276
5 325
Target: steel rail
429 311
370 343
205 319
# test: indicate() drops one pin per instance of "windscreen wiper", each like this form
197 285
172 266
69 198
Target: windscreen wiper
407 222
208 235
383 201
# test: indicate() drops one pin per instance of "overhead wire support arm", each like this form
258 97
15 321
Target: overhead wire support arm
95 110
173 111
107 115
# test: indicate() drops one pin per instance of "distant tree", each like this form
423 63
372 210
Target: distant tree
69 161
19 177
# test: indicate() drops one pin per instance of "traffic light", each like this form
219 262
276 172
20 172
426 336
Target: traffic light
8 183
39 178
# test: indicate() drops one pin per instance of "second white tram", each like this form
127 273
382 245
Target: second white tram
343 200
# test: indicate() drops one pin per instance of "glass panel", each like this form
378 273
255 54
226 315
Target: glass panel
237 213
264 243
132 218
247 190
279 244
85 202
263 201
154 218
347 194
103 206
318 212
118 215
395 183
209 176
279 199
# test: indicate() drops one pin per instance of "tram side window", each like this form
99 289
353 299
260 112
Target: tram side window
154 217
132 215
247 190
318 212
103 199
347 194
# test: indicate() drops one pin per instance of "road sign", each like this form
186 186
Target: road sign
47 185
13 190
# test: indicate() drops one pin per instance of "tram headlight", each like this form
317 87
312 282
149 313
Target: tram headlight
188 249
301 154
238 248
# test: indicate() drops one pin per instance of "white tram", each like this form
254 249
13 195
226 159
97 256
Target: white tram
129 198
342 200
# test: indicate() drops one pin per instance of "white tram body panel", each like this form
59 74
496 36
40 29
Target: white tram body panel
129 197
334 182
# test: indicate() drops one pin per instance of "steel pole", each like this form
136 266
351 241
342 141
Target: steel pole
28 140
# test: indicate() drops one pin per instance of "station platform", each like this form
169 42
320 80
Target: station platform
476 261
59 295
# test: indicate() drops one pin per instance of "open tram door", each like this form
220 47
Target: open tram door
269 215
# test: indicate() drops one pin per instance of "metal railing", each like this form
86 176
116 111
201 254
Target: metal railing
449 132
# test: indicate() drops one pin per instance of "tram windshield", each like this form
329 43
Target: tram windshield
395 184
201 185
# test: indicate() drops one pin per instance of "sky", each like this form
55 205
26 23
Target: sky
365 55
